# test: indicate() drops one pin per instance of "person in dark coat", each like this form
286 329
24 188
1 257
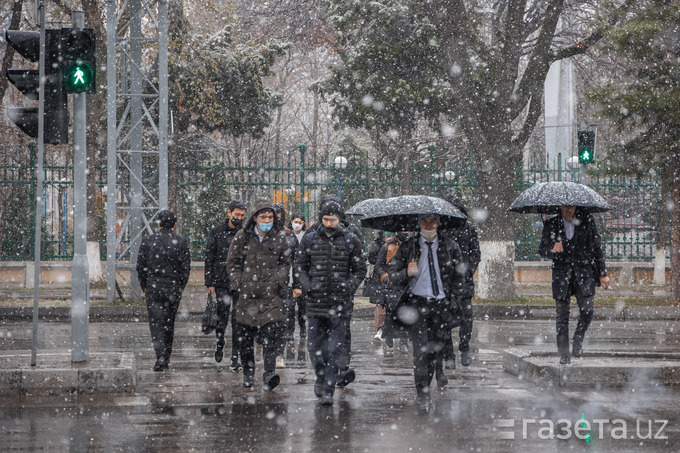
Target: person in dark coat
259 265
217 279
573 243
163 267
373 287
465 236
390 292
329 267
345 375
297 230
428 276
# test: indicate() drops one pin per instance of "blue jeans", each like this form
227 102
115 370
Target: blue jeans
326 342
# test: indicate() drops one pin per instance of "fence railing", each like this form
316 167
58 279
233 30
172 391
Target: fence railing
202 195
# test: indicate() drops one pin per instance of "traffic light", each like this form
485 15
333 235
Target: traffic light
586 146
27 43
78 60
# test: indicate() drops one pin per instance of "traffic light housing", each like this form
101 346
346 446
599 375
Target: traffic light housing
586 146
27 44
78 64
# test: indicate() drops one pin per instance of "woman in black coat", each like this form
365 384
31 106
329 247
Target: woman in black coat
572 241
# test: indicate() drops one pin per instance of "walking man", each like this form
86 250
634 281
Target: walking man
465 236
329 266
572 241
430 268
258 264
217 278
163 266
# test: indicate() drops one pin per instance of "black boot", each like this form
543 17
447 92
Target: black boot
270 381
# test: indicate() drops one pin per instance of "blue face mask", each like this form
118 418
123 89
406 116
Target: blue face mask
265 227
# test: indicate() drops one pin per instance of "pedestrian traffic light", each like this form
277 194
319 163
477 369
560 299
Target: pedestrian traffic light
27 43
78 60
586 146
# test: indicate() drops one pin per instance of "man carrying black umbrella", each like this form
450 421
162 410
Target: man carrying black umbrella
572 241
430 267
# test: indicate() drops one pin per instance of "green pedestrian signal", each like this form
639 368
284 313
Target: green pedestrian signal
78 49
78 77
586 146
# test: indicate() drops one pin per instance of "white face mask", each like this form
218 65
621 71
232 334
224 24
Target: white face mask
428 234
297 227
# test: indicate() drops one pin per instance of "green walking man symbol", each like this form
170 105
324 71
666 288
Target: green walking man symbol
79 77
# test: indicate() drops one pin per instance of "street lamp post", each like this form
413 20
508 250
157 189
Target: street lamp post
302 147
449 176
340 164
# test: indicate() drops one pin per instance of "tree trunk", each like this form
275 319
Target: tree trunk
675 236
496 225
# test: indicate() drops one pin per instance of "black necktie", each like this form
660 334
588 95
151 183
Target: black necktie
433 271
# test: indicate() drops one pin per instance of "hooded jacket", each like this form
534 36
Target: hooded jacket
259 271
164 260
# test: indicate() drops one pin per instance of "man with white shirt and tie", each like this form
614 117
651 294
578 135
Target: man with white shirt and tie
432 270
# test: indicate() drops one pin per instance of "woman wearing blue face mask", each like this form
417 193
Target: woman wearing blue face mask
258 265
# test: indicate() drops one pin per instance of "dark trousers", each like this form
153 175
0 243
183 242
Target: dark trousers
326 343
586 308
162 304
225 304
289 315
464 333
428 334
270 334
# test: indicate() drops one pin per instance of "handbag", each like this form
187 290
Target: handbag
210 319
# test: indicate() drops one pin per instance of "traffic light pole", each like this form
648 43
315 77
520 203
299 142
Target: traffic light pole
80 270
39 202
582 167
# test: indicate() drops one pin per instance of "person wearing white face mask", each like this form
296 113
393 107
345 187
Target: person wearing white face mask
429 266
294 234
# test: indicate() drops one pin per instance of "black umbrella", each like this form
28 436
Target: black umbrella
401 213
364 207
547 197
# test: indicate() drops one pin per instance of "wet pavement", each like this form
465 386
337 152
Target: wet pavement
199 405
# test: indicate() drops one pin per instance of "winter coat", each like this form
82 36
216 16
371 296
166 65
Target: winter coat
259 271
391 291
329 271
372 287
466 238
164 260
451 268
216 252
576 270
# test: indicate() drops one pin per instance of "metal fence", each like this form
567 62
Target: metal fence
202 194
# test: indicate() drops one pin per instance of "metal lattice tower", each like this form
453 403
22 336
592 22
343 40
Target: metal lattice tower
137 123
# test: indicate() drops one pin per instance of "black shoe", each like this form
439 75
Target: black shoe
442 380
161 364
465 358
450 364
235 367
565 359
389 341
424 403
327 400
346 378
271 382
219 354
248 381
577 349
318 387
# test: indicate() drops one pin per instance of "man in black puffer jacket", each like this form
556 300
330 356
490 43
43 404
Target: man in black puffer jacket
330 265
163 267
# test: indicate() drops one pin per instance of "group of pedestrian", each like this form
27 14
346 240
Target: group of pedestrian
259 269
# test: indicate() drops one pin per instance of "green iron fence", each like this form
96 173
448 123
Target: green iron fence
298 182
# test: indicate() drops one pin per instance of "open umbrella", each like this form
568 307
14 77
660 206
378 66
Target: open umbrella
547 197
364 206
401 213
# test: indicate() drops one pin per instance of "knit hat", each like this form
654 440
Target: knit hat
331 208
